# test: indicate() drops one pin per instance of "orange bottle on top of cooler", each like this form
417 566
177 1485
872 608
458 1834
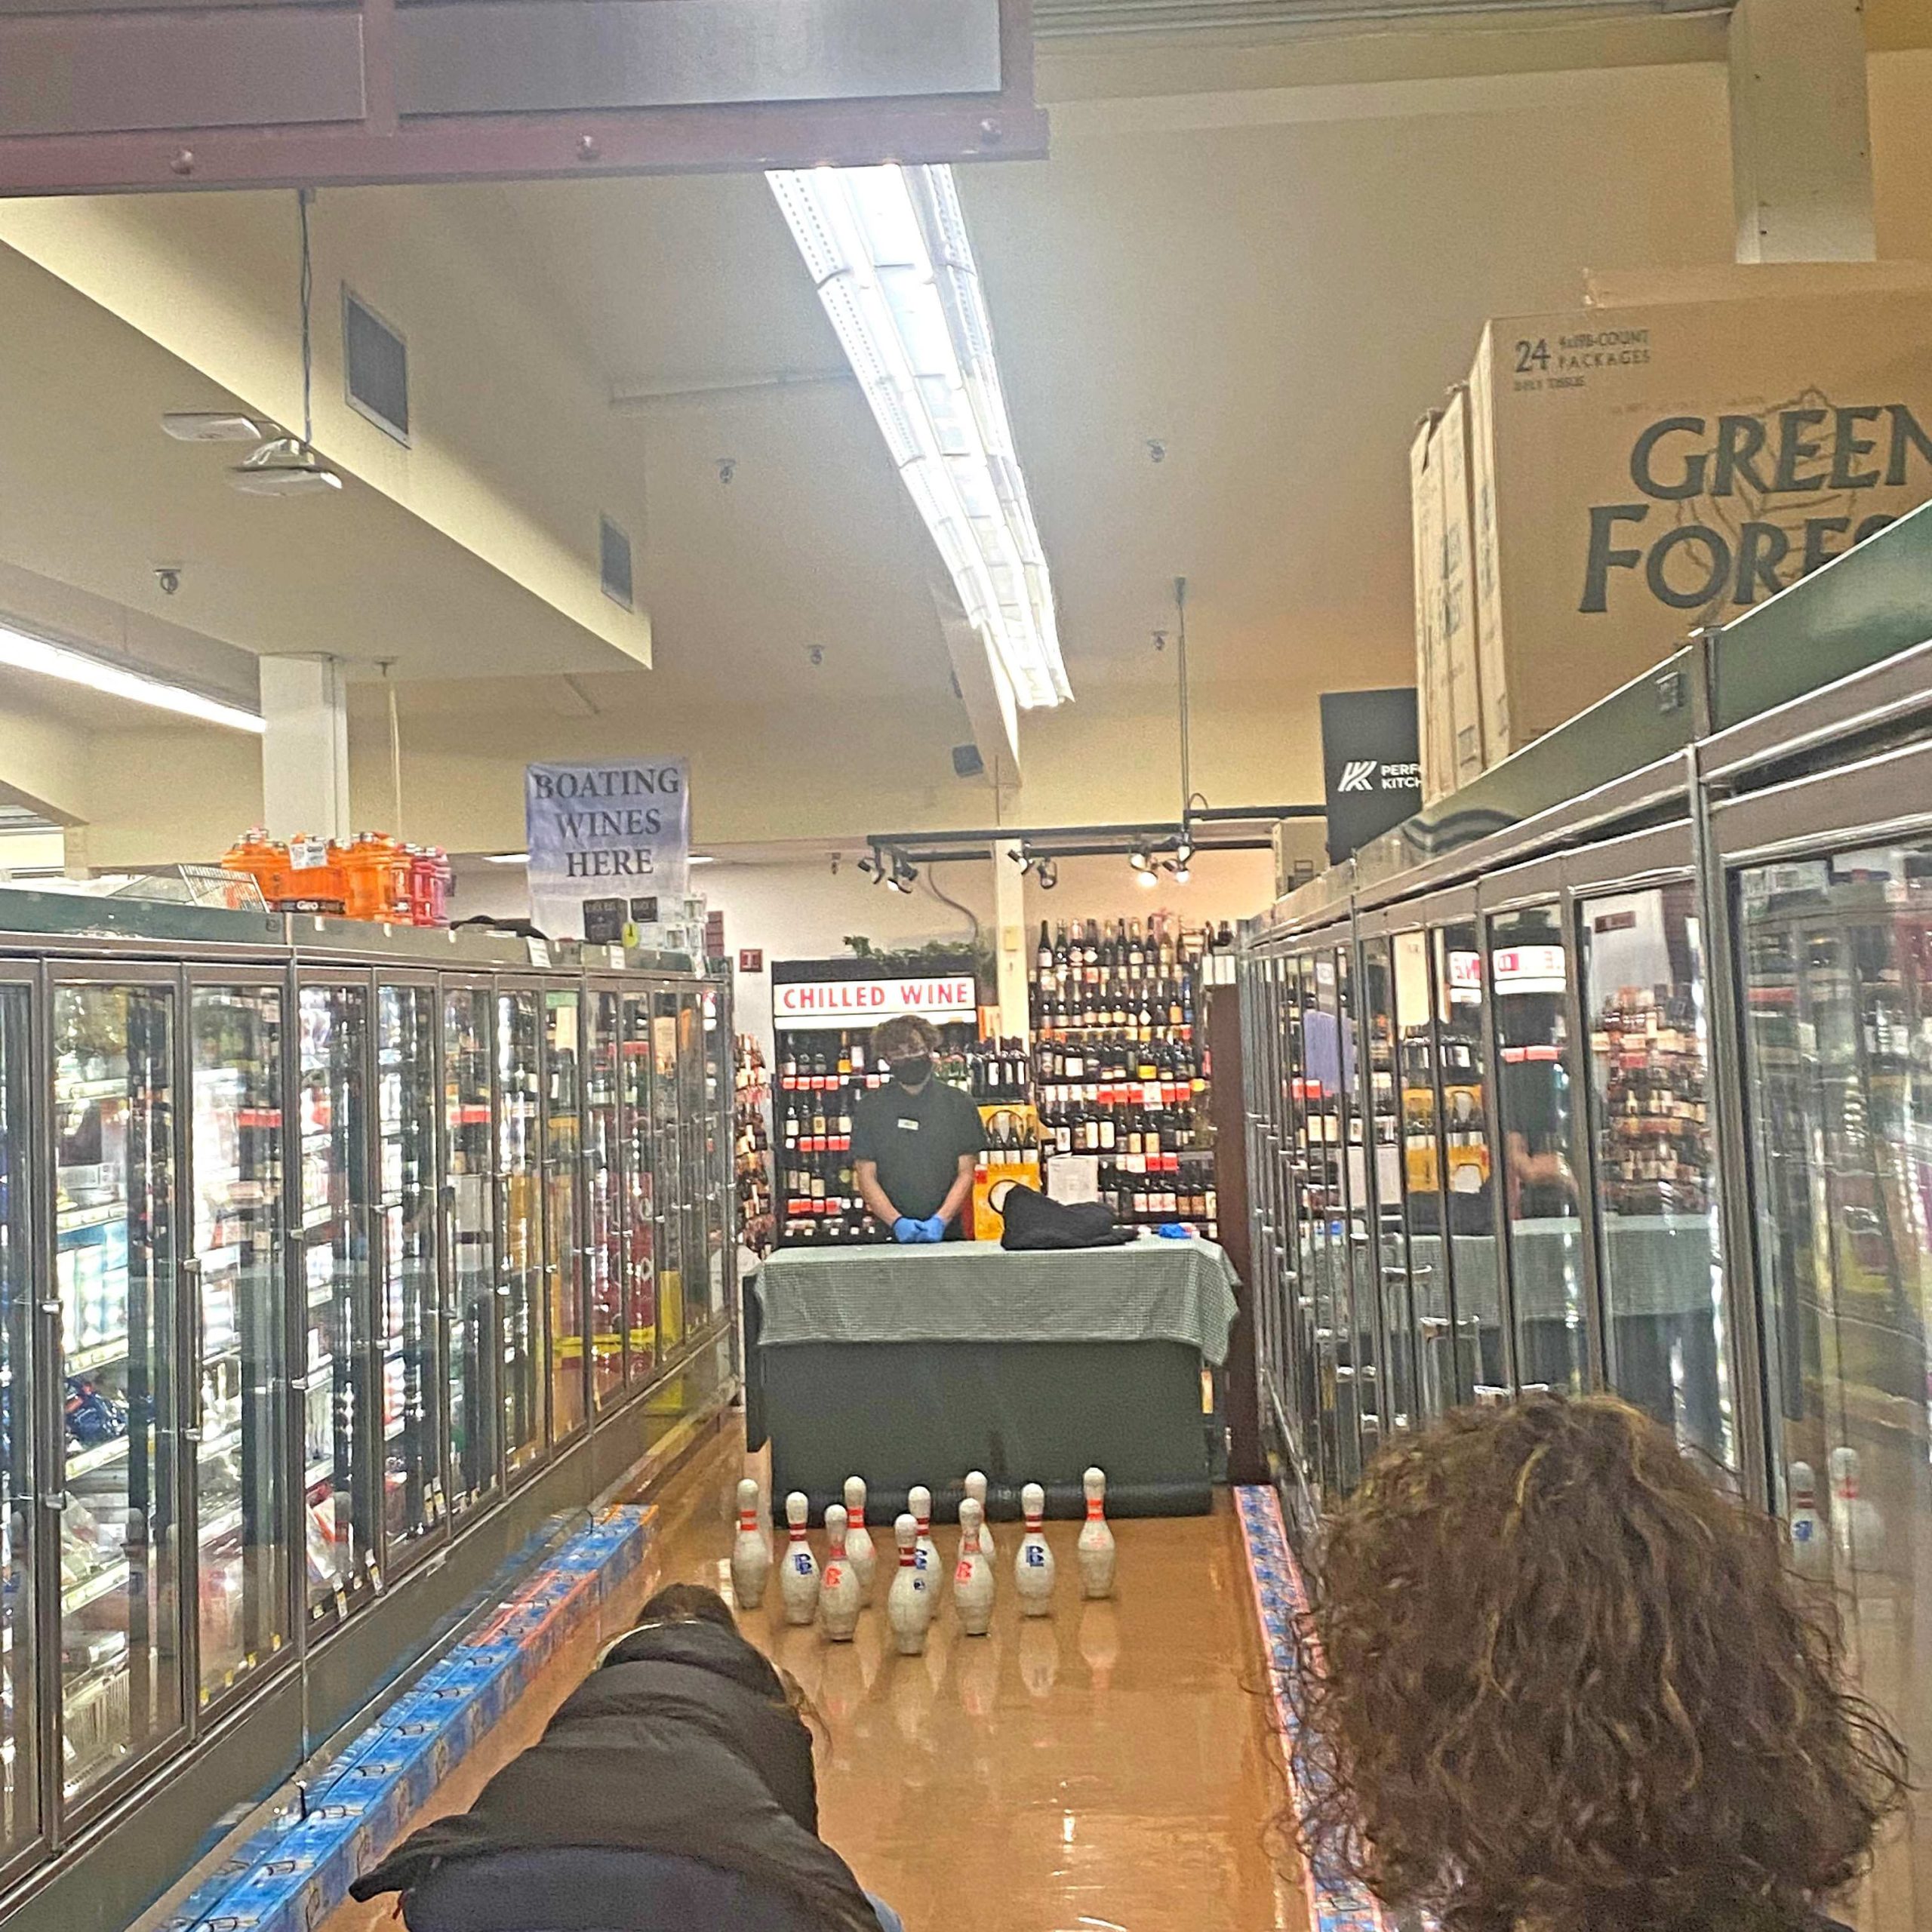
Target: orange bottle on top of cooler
324 881
263 859
374 871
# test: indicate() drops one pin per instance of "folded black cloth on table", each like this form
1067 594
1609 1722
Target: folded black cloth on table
1034 1221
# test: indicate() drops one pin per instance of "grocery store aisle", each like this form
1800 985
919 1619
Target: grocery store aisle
1109 1769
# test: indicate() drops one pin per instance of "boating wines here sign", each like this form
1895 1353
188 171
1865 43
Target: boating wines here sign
615 828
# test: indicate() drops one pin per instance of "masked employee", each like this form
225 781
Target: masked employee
915 1140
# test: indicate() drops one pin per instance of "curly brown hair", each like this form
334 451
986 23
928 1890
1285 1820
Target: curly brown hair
1570 1683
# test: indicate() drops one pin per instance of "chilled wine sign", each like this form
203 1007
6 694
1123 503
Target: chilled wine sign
617 829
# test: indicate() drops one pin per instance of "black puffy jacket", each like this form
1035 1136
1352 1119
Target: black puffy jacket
682 1742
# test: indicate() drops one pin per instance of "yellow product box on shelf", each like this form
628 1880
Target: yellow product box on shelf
1010 1152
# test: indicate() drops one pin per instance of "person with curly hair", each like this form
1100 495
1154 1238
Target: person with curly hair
1554 1679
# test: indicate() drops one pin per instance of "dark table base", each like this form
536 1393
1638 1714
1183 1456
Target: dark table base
904 1413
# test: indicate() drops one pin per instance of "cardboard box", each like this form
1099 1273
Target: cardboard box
1468 752
1639 473
1432 675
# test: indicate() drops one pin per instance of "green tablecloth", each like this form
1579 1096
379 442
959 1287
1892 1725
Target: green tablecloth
975 1291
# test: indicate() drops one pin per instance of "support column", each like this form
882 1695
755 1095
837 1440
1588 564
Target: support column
1801 132
1010 939
305 750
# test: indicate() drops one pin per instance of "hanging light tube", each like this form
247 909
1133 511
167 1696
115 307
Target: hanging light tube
20 652
888 249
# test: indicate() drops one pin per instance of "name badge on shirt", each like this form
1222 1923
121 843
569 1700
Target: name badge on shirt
908 1126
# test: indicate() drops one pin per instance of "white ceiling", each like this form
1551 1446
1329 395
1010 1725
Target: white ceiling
1269 255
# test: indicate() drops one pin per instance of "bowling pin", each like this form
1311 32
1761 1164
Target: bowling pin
858 1539
840 1598
798 1582
751 1555
1096 1546
973 1580
1856 1525
1033 1567
908 1604
919 1501
975 1488
1810 1551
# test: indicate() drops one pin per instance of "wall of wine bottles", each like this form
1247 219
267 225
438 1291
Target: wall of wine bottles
752 1147
1119 1073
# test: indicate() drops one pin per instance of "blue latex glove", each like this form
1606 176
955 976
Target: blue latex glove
932 1229
906 1229
1173 1231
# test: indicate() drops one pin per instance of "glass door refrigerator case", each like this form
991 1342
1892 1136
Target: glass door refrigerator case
643 1262
116 1494
20 1819
563 1160
409 1335
238 1391
520 1222
333 1266
470 1246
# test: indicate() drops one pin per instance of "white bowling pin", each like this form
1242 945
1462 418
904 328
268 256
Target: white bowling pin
1810 1550
973 1580
858 1539
798 1582
975 1488
840 1598
1033 1567
1096 1546
1856 1525
919 1501
908 1604
751 1554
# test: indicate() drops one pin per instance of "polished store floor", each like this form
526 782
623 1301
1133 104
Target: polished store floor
1109 1769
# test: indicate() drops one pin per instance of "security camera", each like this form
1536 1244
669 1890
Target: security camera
168 575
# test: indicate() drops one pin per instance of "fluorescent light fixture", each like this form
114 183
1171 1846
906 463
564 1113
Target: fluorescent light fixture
75 667
888 250
283 467
701 858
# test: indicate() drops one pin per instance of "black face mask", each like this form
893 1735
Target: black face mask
914 1071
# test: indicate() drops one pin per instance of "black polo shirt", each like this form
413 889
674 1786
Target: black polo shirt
915 1140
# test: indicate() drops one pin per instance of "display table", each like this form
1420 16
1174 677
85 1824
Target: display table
909 1365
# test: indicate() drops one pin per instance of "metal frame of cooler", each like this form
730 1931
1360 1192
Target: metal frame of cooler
102 1860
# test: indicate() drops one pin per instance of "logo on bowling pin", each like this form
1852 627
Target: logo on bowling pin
797 1581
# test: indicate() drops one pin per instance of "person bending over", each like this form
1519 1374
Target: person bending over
672 1792
915 1141
1555 1679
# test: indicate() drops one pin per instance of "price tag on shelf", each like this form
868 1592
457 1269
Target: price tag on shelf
341 1602
305 854
1153 1094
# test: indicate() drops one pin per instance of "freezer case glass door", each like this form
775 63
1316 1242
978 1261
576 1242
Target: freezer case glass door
563 1152
410 1338
19 1754
603 1197
1837 954
115 1255
644 1260
240 1374
520 1255
470 1243
336 1525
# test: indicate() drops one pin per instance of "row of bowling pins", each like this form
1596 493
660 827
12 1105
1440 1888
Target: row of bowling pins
1857 1527
835 1596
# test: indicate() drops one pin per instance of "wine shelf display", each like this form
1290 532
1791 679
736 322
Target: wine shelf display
1118 1075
